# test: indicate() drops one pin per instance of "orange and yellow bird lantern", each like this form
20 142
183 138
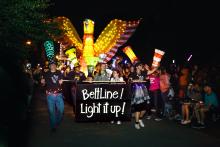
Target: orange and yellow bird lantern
129 52
158 54
115 34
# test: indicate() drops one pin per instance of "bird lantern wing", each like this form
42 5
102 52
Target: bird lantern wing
109 36
129 28
69 36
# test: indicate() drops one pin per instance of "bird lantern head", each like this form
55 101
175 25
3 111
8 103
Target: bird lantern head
88 26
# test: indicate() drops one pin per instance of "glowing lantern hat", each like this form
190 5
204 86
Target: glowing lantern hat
49 48
129 52
71 53
158 54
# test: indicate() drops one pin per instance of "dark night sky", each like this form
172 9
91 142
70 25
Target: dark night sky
178 28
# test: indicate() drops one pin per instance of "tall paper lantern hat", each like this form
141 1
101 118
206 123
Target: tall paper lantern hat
129 52
158 54
49 48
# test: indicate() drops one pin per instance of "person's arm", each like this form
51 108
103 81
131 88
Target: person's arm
148 69
43 82
151 71
96 78
83 77
42 79
213 101
121 79
61 77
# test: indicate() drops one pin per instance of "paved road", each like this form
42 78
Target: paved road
70 133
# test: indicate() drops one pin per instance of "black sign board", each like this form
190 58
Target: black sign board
102 102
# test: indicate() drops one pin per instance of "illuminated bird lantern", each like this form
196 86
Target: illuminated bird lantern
158 54
115 34
129 52
49 48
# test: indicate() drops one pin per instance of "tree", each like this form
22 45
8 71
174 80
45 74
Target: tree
20 20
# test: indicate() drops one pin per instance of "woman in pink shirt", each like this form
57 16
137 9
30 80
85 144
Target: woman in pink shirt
155 92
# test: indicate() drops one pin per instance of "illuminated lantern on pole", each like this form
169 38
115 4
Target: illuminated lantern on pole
71 53
158 54
49 48
129 52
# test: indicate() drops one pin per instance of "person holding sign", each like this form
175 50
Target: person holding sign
76 75
140 95
116 78
53 80
102 75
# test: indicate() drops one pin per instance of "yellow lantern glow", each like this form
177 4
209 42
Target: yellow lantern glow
88 26
71 53
129 52
88 50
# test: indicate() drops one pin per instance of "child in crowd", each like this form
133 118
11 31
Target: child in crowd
116 78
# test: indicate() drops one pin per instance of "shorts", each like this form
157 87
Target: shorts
140 107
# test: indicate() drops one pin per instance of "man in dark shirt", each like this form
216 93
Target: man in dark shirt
76 74
53 80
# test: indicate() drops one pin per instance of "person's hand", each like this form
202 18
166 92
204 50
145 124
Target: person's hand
42 81
61 81
146 67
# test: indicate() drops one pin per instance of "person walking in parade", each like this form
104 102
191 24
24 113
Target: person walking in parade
52 80
140 94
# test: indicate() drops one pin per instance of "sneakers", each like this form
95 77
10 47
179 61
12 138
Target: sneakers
202 126
141 123
177 117
137 126
118 122
185 122
198 126
148 117
157 119
153 110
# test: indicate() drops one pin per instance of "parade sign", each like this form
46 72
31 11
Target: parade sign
102 102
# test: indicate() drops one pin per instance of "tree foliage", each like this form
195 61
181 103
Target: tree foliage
22 20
